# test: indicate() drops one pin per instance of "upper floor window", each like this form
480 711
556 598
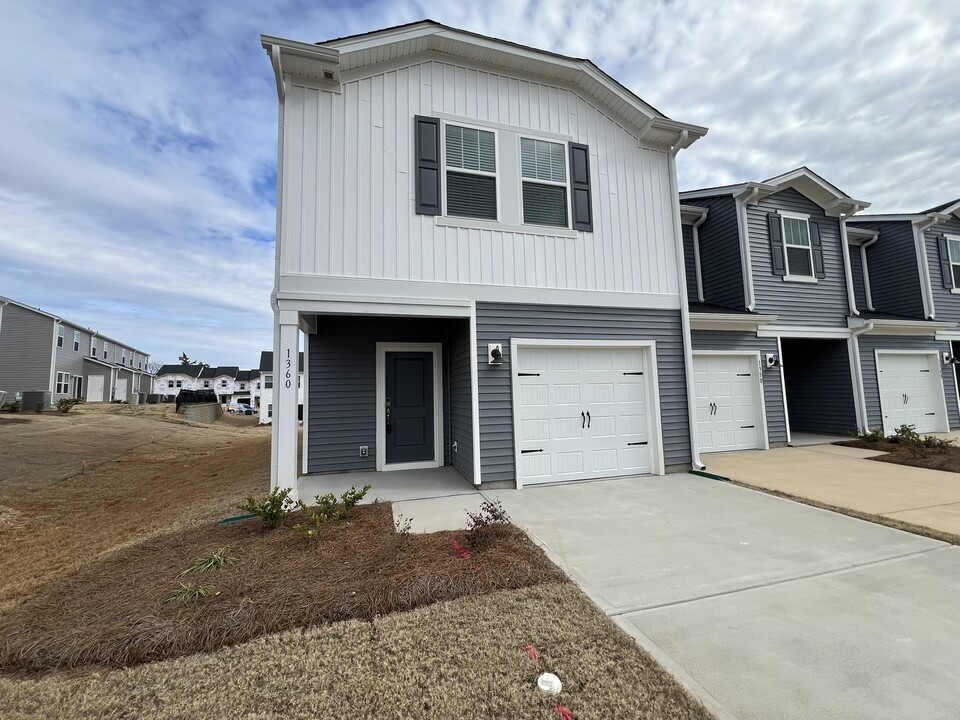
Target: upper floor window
544 171
93 347
267 382
169 383
206 383
76 341
243 386
106 349
59 336
179 383
471 162
953 249
796 244
223 383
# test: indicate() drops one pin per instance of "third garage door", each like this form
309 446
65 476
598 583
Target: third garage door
582 412
911 391
728 402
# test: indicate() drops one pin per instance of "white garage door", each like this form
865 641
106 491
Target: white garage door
911 391
728 402
95 388
582 412
121 389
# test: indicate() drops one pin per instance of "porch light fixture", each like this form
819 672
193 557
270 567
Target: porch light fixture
772 360
495 354
949 359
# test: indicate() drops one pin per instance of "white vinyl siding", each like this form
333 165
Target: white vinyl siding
796 246
544 171
471 176
348 207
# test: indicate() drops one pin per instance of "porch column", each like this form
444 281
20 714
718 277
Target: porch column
285 422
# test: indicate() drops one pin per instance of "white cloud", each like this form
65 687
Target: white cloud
139 139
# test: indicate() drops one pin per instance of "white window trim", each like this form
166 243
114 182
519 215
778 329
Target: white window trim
76 341
954 290
61 332
565 185
788 277
480 173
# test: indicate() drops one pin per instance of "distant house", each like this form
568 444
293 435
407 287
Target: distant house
265 387
230 383
42 352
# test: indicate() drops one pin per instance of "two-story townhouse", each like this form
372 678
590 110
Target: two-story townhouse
774 317
481 244
41 352
905 275
171 379
264 391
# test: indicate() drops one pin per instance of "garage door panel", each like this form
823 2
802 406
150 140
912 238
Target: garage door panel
606 382
533 395
911 392
729 417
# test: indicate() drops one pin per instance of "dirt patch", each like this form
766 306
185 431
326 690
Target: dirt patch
461 659
14 420
946 459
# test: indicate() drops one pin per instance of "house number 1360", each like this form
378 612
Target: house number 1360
287 383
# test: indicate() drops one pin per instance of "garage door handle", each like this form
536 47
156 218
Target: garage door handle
583 420
633 373
637 443
524 452
588 418
747 427
933 413
528 374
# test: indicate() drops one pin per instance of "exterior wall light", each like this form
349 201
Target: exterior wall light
495 354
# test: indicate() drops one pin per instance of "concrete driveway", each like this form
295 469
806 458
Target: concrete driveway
763 607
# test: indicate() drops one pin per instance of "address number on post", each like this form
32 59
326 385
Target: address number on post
288 383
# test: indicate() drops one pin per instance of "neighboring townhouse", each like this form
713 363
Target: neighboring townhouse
481 243
264 387
906 277
41 352
230 383
171 379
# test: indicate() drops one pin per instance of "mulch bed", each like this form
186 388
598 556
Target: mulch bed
118 612
946 459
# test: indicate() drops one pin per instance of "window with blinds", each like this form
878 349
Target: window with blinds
471 161
544 171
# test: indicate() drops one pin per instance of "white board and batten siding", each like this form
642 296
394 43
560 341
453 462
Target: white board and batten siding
348 205
911 391
584 411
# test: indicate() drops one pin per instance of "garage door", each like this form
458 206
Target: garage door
581 412
729 410
911 391
95 388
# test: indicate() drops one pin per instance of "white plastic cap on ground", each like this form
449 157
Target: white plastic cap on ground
549 683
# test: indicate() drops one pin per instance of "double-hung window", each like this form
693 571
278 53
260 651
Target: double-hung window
59 336
797 246
953 248
179 383
471 172
93 347
76 341
267 382
544 171
63 383
169 383
106 349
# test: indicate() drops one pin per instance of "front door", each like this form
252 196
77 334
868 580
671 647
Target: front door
409 407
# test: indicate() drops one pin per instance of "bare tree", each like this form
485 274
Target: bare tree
153 367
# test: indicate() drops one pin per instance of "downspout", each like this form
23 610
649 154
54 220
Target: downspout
696 252
919 229
858 374
744 233
866 272
847 271
281 95
684 307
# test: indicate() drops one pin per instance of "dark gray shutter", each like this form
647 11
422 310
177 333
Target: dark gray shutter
580 187
427 181
817 248
776 244
945 271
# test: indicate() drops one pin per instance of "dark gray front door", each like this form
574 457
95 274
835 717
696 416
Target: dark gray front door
409 406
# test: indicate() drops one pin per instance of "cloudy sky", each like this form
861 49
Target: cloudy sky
138 139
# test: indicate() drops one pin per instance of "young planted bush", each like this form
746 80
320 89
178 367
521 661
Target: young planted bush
329 507
214 561
188 592
270 509
64 405
491 512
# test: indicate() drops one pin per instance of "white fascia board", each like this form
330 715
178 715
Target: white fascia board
803 331
858 236
733 321
900 327
723 190
911 217
690 214
301 49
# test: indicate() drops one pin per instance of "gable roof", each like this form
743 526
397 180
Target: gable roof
188 370
802 179
326 61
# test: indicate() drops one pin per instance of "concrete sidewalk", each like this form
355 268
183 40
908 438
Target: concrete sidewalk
763 607
840 476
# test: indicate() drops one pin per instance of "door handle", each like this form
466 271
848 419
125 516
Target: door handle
387 407
588 418
583 420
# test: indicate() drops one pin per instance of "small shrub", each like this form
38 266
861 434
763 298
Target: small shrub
272 508
403 524
871 436
328 507
214 561
939 444
64 405
12 406
905 435
352 496
189 592
491 512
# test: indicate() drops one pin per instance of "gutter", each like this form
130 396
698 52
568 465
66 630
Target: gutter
858 373
742 200
695 460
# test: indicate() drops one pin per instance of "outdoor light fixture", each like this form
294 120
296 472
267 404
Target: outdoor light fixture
495 354
949 359
772 360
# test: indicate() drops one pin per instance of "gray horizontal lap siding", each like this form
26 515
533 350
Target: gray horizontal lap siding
721 269
499 322
892 265
68 360
342 402
947 304
819 385
823 303
461 399
26 341
772 390
871 386
690 263
856 270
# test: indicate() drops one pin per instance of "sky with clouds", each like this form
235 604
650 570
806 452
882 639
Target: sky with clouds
138 139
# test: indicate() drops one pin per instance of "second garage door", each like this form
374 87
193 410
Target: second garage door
582 412
911 391
729 409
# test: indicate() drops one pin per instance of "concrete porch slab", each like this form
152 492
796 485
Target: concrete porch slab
396 485
804 439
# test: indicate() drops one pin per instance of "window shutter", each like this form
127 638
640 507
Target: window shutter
817 248
580 187
776 244
428 165
945 270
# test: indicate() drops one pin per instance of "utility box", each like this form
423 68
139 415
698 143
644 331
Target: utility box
31 400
